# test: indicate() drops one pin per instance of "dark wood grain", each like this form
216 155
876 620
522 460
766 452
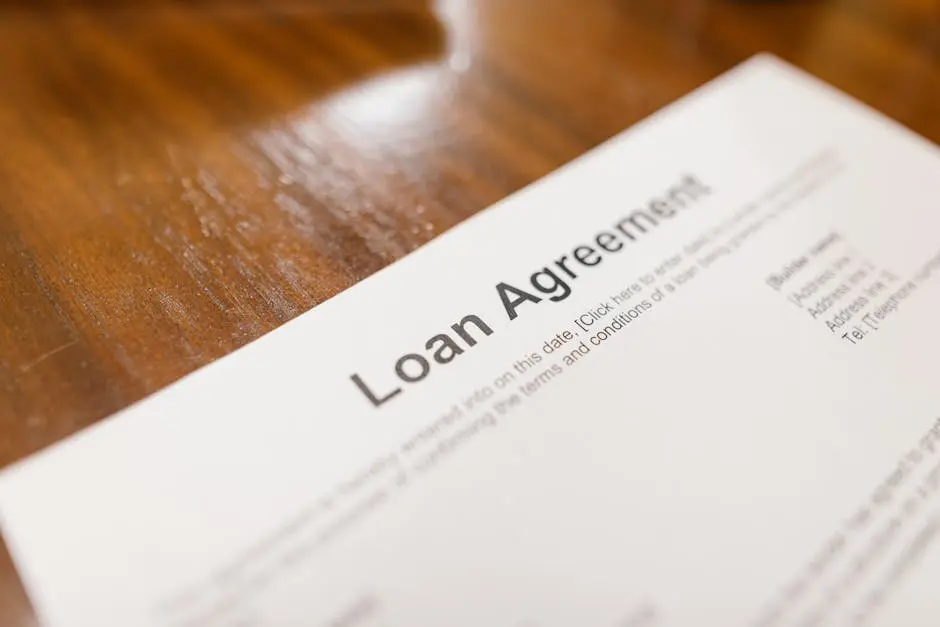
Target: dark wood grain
177 179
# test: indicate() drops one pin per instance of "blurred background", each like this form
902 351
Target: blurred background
178 178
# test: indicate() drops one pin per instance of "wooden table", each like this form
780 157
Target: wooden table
176 180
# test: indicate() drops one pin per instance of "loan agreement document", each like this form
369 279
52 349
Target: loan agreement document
688 380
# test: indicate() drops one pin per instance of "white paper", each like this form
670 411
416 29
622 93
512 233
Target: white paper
755 442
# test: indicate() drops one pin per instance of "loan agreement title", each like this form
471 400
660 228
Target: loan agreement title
552 282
